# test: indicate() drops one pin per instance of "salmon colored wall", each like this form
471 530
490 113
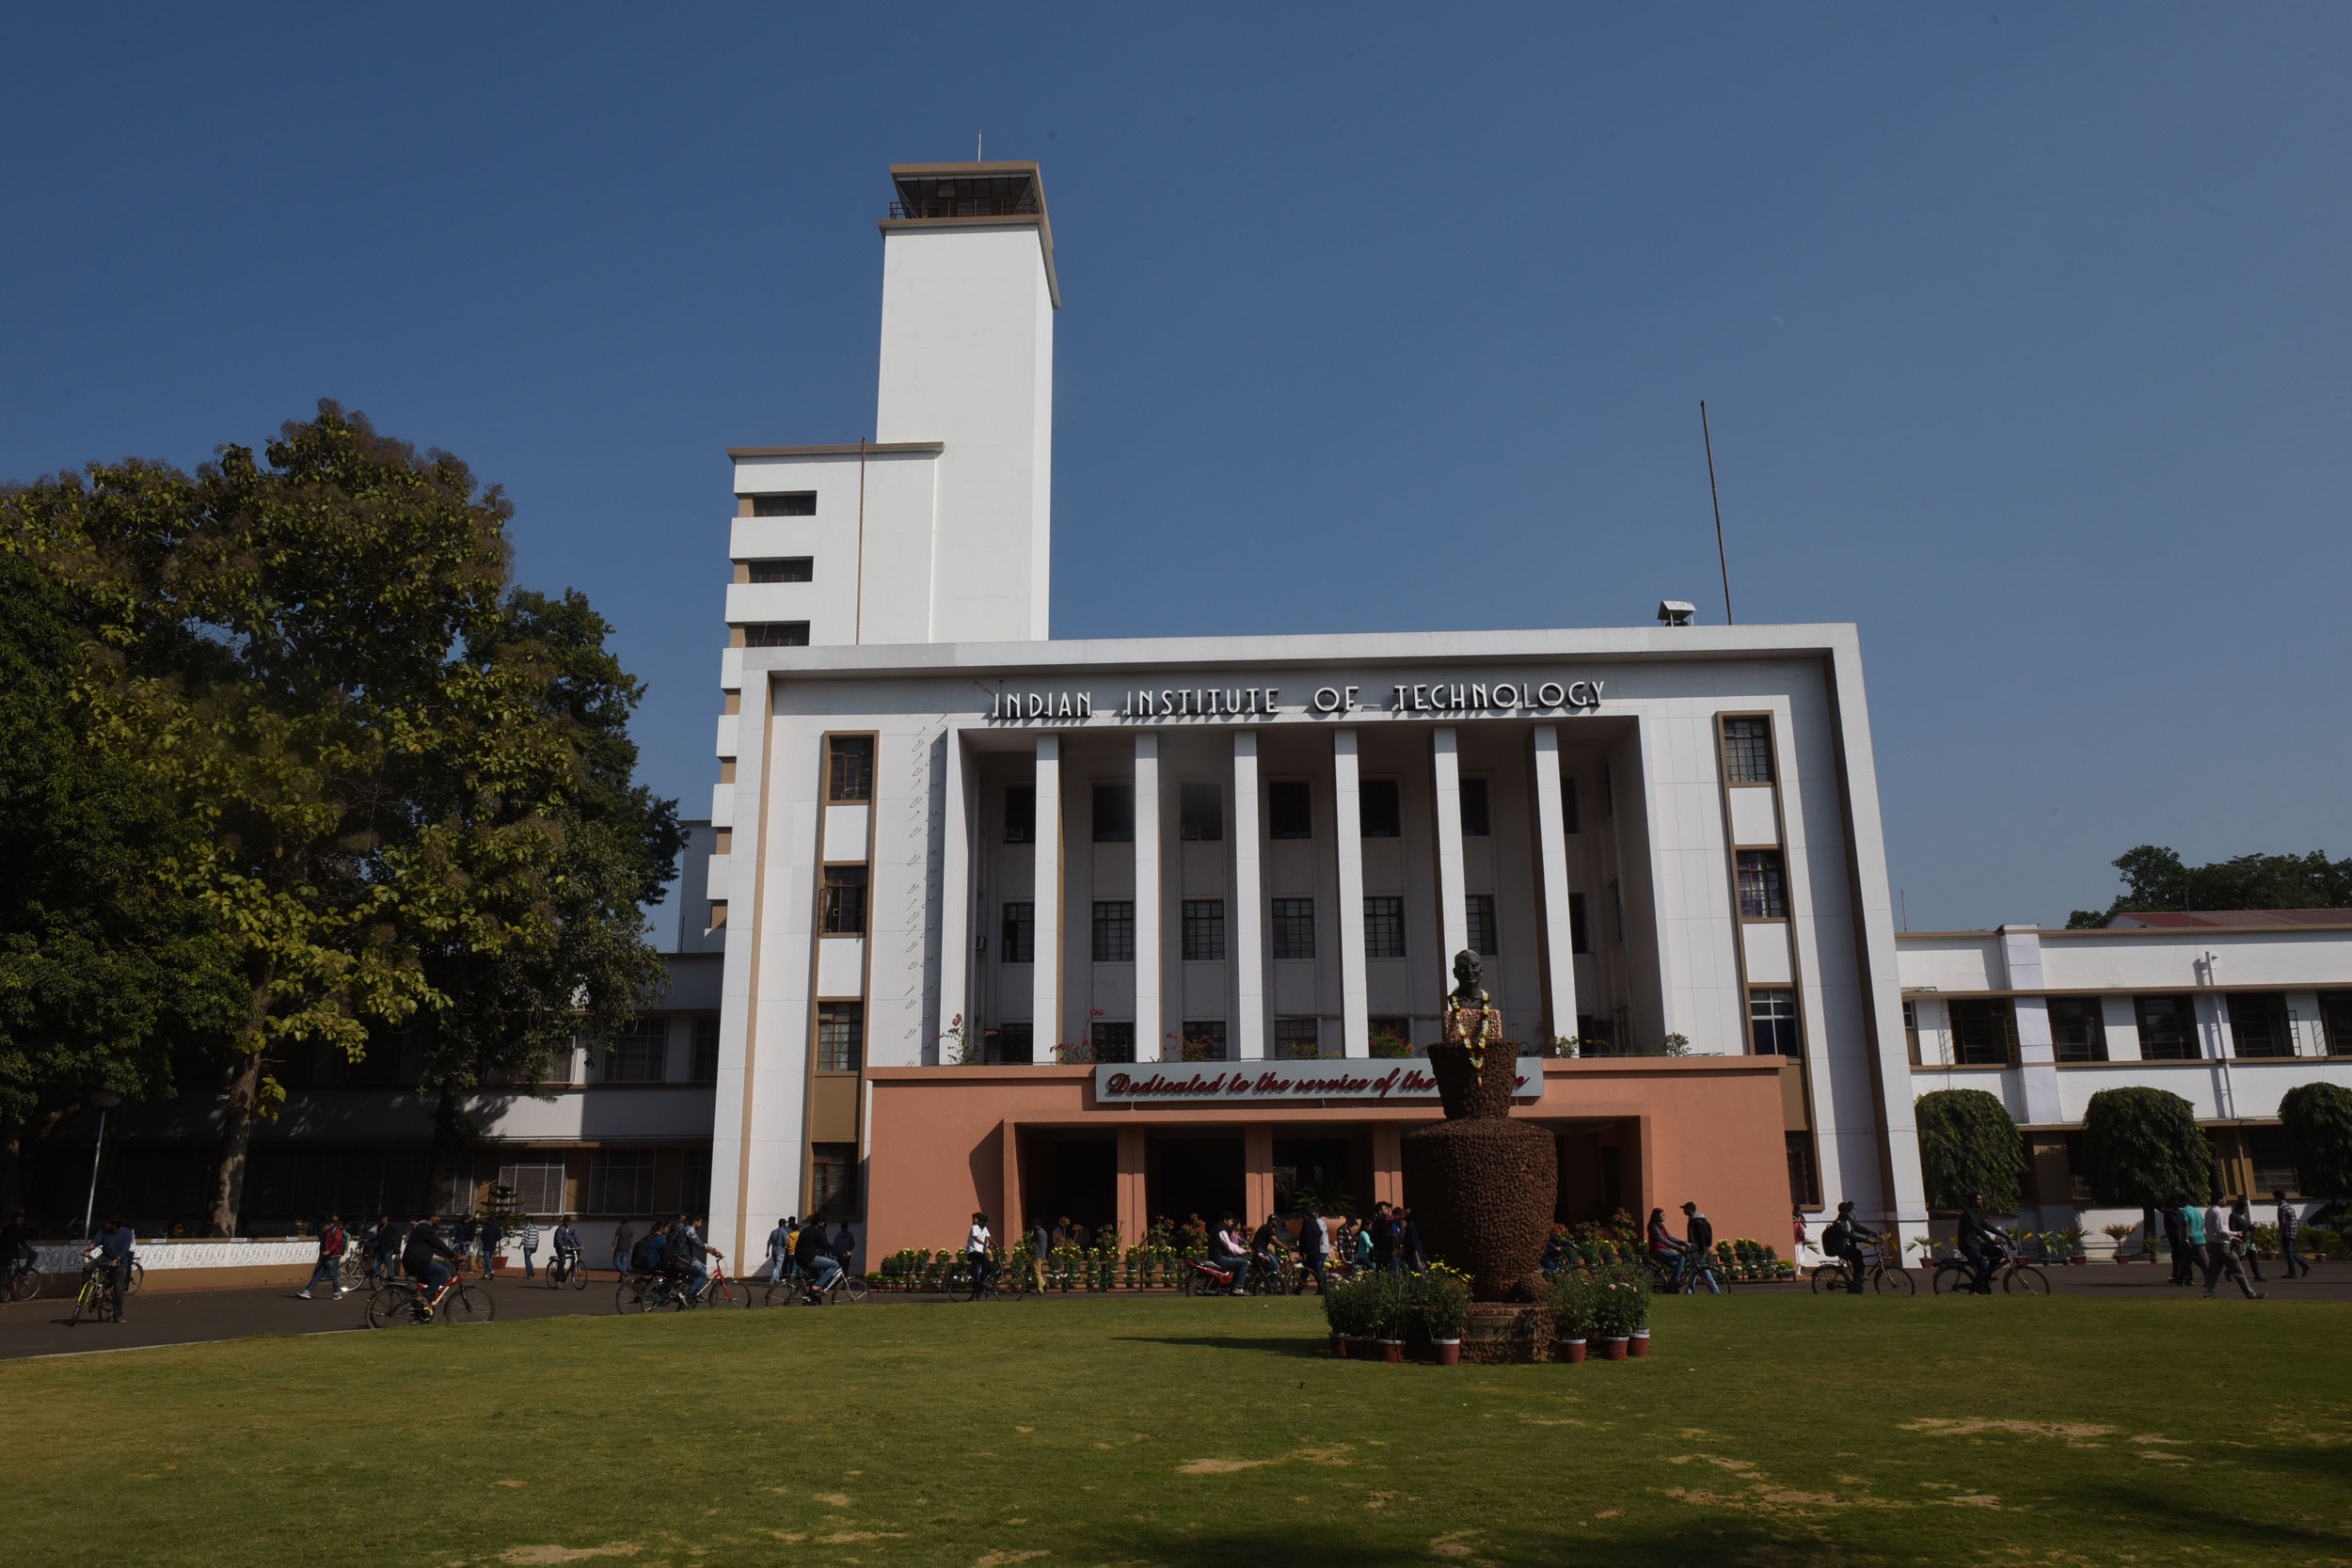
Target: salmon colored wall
944 1140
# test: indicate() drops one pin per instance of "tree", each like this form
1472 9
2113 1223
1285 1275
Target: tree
2318 1121
1967 1145
2154 878
308 660
105 977
2142 1148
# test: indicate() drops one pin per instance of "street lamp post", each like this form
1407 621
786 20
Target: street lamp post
106 1100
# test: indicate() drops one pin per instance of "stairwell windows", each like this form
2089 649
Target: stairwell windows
1763 886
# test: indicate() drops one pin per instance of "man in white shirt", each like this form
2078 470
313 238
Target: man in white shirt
2221 1253
976 1251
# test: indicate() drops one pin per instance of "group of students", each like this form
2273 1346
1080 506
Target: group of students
671 1249
2218 1240
808 1252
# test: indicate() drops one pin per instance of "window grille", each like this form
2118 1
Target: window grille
791 503
1114 814
850 772
1202 811
620 1183
1379 812
1290 809
1298 1038
1114 930
1763 891
1018 943
776 634
1772 1024
639 1055
1479 909
1204 929
1477 819
840 1036
1384 927
1293 928
538 1187
1020 813
841 910
1748 751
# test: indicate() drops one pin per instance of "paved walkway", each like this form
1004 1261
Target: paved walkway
162 1317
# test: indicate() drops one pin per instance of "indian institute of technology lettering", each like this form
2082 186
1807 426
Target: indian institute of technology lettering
1238 702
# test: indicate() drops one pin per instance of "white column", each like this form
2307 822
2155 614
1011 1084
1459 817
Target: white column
1453 912
954 901
2037 1057
1150 1045
1045 996
1551 879
1355 1001
1244 927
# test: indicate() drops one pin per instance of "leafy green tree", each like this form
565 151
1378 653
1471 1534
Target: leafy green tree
2142 1148
2154 878
309 659
2318 1121
107 981
1968 1145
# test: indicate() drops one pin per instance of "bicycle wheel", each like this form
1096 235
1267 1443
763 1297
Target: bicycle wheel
1950 1279
84 1305
628 1297
138 1277
852 1289
24 1285
1828 1279
465 1304
393 1307
1894 1282
781 1293
575 1275
2023 1279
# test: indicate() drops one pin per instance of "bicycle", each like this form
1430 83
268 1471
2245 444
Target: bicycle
409 1305
565 1269
648 1292
795 1290
1885 1279
718 1291
25 1280
96 1298
1005 1283
1956 1277
1683 1273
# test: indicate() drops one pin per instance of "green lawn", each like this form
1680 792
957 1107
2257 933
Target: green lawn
1762 1430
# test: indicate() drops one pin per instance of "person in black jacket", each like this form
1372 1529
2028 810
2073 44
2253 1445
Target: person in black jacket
812 1256
1980 1244
1843 1241
2176 1239
422 1254
1383 1239
1311 1251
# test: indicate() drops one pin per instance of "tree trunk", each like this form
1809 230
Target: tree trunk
236 1117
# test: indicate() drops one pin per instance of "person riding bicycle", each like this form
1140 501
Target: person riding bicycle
976 1257
812 1255
649 1256
687 1251
566 1261
1982 1243
1843 1241
1265 1245
1229 1252
110 1251
16 1247
1666 1249
422 1254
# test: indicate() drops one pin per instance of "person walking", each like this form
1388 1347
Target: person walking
1040 1249
491 1237
1412 1255
2176 1238
1360 1247
1699 1237
531 1244
2242 1239
2290 1226
624 1243
1312 1247
384 1250
333 1238
779 1251
1383 1240
2221 1254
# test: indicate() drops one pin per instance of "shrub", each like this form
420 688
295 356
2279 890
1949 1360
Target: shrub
1620 1304
1444 1298
2318 1122
1968 1145
2142 1148
1571 1304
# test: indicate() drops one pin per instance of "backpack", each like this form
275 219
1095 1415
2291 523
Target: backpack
1837 1239
641 1256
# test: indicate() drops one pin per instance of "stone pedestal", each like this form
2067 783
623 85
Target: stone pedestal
1481 1185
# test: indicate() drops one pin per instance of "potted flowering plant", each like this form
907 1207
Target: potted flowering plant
1570 1303
1445 1313
1620 1305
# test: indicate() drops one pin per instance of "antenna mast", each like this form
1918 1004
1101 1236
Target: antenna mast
1721 560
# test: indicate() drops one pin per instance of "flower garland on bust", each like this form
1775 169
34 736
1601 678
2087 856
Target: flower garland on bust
1460 1030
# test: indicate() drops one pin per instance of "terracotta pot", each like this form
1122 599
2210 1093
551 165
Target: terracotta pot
1447 1353
1613 1350
1641 1343
1392 1352
1339 1346
1572 1350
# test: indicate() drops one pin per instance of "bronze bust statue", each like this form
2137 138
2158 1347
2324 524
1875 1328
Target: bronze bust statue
1470 1021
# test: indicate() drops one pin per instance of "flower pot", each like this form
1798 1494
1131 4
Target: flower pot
1570 1351
1339 1346
1640 1346
1446 1352
1392 1352
1613 1350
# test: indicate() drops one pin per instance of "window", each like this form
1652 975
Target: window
1114 814
792 568
1020 813
620 1183
2078 1032
1204 1040
841 902
1384 927
1580 934
1772 1024
1113 1043
792 504
1204 929
706 1065
1293 928
538 1187
694 1182
1480 907
1748 751
1911 1030
1297 1039
2258 1024
1378 814
1200 810
2272 1155
2335 1017
1018 943
1290 809
840 1036
637 1056
2168 1028
1804 1174
1477 821
1013 1043
1393 1034
1567 804
850 768
2078 1183
832 1180
776 634
1984 1031
1762 893
1114 930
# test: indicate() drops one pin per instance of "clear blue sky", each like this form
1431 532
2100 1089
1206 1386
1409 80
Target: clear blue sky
2026 333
